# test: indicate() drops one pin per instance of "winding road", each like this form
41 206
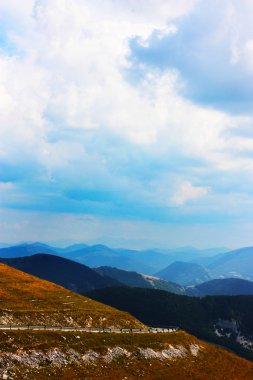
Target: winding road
151 330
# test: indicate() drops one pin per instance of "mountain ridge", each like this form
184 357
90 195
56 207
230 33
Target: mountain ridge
62 271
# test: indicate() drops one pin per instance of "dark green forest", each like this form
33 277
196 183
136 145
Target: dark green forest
197 316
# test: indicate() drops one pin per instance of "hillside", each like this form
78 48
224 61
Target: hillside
29 300
180 356
237 263
185 273
139 280
226 286
223 320
77 355
61 271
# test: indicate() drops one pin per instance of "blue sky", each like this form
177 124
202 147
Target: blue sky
128 123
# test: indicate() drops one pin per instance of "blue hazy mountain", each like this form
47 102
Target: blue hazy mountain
185 273
26 249
143 261
237 263
223 287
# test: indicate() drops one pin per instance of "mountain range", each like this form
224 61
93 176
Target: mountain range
180 277
185 266
237 263
145 261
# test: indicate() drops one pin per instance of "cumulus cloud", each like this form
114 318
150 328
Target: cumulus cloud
212 51
187 192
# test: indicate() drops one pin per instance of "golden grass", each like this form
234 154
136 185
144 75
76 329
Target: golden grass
212 363
29 300
25 298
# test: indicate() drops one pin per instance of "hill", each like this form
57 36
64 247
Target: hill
61 271
64 355
227 286
139 280
223 320
185 273
237 263
78 355
30 300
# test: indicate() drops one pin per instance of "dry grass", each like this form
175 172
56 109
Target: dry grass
26 299
211 363
29 300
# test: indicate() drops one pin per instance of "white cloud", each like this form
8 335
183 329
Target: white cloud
6 186
248 50
187 192
69 74
70 69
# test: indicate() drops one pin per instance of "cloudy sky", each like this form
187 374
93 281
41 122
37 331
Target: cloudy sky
127 122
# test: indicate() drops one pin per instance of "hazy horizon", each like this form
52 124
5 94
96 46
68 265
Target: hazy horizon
130 245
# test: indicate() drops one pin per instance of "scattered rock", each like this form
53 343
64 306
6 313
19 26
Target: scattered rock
90 356
194 348
169 353
115 352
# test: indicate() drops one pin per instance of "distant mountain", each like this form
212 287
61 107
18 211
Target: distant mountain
227 286
67 273
101 255
185 273
5 245
142 261
223 320
70 248
139 280
25 249
160 258
237 263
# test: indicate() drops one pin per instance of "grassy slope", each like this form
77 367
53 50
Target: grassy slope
211 362
29 300
24 297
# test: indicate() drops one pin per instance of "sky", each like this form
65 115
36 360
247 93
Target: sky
127 122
